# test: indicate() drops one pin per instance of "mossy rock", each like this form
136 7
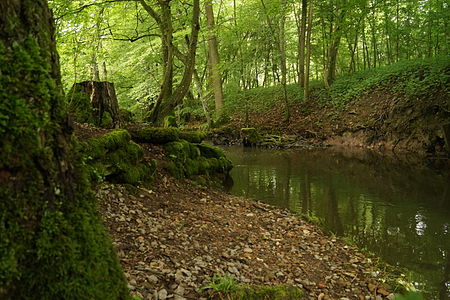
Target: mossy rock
116 158
281 292
188 160
108 142
250 137
209 151
192 137
155 135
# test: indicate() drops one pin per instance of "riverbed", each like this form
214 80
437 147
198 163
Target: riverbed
393 209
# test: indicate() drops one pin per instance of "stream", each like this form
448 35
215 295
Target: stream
390 208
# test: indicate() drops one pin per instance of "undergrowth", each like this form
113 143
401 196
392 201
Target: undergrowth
411 79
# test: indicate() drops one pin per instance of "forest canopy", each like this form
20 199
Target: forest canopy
260 43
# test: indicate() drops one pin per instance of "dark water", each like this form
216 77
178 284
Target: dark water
395 210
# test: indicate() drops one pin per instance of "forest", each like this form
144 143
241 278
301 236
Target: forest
224 149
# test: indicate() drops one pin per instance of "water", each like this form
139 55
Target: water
395 210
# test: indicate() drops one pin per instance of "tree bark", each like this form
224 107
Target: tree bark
169 98
214 59
101 97
301 55
52 241
308 51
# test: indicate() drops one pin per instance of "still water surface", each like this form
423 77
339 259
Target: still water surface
399 212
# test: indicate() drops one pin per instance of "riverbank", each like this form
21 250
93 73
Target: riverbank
403 108
173 238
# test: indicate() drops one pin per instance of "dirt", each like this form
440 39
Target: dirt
379 120
173 238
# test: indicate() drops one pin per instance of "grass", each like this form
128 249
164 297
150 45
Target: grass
226 287
410 78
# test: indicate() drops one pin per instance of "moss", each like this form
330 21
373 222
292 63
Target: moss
126 115
116 158
52 241
155 135
108 142
209 151
192 137
188 160
250 136
107 120
282 292
79 105
170 121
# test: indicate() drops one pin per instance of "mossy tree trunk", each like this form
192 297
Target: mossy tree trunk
52 242
89 101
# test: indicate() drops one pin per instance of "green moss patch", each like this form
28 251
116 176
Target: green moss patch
155 135
160 135
281 292
188 160
250 136
116 158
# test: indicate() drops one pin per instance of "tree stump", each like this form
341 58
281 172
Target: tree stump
95 102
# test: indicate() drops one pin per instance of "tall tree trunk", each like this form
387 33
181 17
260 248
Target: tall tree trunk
214 60
281 41
283 67
301 50
202 98
169 98
52 241
308 51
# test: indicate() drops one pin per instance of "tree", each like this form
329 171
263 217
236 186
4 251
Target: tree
169 98
214 59
52 242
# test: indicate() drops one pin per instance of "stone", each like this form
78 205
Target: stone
162 294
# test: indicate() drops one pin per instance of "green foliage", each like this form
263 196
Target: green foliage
259 99
224 284
126 115
411 79
409 296
79 105
228 286
170 121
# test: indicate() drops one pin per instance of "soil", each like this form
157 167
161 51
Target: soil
379 120
173 238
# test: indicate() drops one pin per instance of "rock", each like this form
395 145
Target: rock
152 279
248 250
391 296
383 292
179 290
162 294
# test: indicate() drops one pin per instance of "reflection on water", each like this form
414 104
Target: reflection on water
399 212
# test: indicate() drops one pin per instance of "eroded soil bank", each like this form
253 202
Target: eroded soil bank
174 237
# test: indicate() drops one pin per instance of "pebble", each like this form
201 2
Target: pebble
162 294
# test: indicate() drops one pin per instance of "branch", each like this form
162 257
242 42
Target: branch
151 11
134 39
81 8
